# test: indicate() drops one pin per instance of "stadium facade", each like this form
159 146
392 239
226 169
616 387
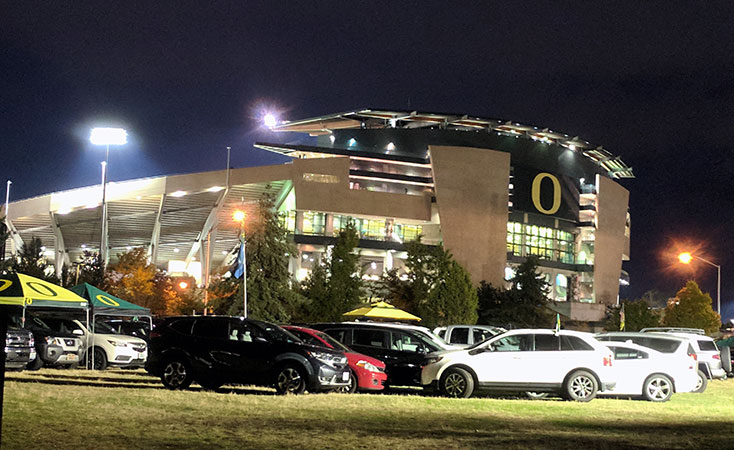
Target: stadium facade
493 192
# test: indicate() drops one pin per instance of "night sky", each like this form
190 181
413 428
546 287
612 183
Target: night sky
651 82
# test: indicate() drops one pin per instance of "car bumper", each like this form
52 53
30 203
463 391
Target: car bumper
329 378
687 382
54 354
128 357
18 358
430 374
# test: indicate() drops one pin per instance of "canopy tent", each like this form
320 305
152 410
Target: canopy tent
107 304
382 310
24 290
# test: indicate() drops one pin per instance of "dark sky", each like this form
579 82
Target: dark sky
650 81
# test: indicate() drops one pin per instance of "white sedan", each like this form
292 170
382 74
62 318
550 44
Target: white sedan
642 371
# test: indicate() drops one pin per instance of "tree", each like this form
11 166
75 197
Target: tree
523 305
637 315
134 279
692 309
88 269
436 287
30 261
271 294
335 284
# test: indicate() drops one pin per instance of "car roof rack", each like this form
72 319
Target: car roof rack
675 330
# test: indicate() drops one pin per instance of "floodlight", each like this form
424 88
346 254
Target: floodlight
108 136
270 121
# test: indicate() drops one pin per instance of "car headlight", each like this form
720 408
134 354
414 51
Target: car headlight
328 358
369 366
117 343
50 340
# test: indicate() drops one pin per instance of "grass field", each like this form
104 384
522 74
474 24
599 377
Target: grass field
129 409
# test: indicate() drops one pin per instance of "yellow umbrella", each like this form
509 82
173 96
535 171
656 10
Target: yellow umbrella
382 310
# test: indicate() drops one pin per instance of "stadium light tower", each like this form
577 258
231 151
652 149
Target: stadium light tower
106 137
687 257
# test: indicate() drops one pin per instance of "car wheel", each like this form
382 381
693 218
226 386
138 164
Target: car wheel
352 388
457 382
35 364
657 388
580 386
176 374
536 395
290 379
100 359
702 383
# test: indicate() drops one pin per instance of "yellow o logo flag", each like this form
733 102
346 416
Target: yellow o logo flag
556 193
106 300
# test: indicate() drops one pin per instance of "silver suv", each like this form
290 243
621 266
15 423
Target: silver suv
709 357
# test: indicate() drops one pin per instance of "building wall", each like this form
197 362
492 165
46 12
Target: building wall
472 194
610 242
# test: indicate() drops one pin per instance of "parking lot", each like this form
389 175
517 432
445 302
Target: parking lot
129 409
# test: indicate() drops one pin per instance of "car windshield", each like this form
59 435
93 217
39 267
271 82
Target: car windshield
485 343
102 327
62 325
275 333
333 342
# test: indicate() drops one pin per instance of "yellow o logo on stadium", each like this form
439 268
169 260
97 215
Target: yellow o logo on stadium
107 301
5 284
556 193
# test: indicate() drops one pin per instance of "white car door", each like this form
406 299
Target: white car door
630 367
505 360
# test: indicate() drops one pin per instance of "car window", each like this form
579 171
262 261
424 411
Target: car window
243 332
459 335
660 344
481 335
405 342
335 344
272 332
546 343
441 333
628 353
211 328
707 346
340 334
574 343
514 343
369 338
183 326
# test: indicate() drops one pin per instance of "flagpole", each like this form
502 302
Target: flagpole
244 270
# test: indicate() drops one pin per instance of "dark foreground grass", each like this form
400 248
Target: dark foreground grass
128 409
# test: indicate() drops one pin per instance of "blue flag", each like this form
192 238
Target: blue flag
239 268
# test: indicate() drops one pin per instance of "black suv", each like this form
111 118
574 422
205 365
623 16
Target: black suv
215 350
402 348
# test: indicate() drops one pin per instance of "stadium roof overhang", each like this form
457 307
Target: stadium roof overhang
378 119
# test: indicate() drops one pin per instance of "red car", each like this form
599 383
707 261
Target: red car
367 373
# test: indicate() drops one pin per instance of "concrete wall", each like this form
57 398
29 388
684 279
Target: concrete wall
472 194
610 242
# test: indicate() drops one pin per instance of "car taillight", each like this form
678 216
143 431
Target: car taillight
694 356
717 357
608 360
154 334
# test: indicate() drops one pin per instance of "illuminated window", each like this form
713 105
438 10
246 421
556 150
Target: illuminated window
320 178
561 287
543 242
288 220
313 222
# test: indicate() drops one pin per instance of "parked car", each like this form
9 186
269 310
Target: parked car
643 372
105 346
19 348
709 357
467 335
402 347
54 348
217 350
664 343
136 328
570 363
367 373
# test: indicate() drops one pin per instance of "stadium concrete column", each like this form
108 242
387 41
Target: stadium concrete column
610 240
472 193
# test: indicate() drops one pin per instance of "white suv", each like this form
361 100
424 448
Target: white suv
109 347
570 363
709 357
467 335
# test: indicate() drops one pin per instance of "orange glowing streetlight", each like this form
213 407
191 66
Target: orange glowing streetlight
183 285
687 257
239 216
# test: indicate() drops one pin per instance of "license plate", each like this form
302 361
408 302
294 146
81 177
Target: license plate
71 357
345 376
141 355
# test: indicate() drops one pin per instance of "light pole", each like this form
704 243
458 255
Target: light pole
106 137
687 257
239 216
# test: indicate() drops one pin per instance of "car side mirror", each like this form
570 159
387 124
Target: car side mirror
77 332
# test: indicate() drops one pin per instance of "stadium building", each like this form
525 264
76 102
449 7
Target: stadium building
493 192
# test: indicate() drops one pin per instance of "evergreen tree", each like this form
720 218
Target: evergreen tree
30 261
637 315
88 269
335 285
692 309
270 289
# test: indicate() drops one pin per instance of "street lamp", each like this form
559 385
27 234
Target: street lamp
106 137
687 257
239 216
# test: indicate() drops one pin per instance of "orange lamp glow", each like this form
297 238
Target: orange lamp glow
685 257
238 216
183 285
